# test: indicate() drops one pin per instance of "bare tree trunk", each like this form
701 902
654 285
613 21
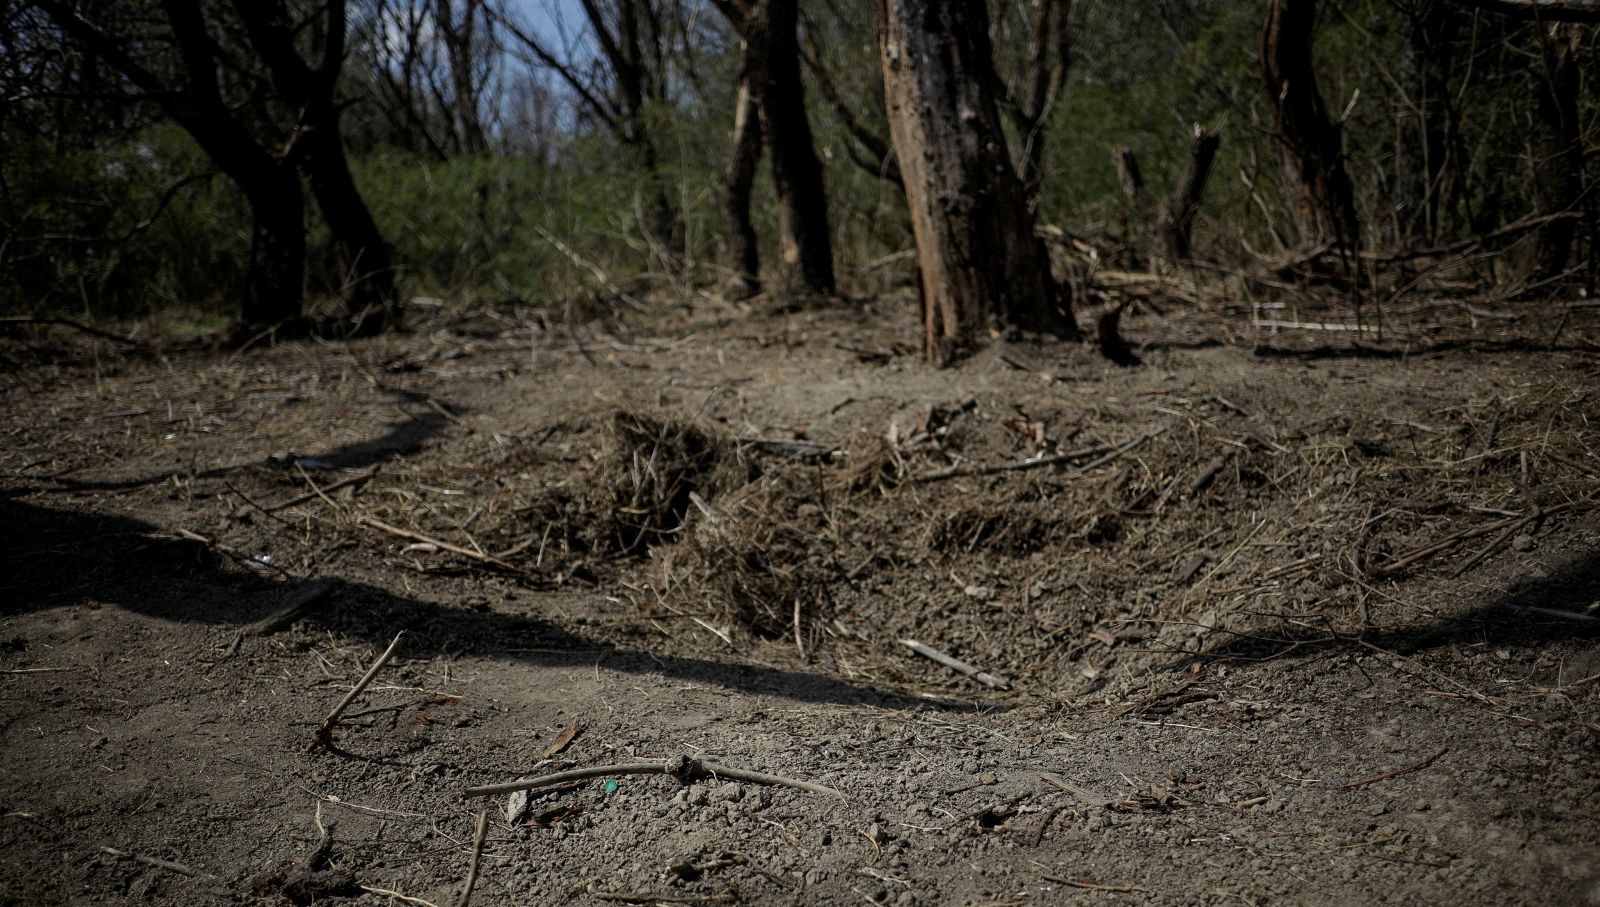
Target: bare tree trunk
1177 222
275 282
1049 55
1557 147
804 245
1424 119
1134 216
1130 178
1312 143
626 51
366 264
979 263
457 22
318 149
744 254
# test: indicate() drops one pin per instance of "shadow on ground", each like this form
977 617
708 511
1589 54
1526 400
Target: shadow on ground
402 437
52 558
1527 612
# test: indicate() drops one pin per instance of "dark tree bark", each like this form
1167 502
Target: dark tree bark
636 83
979 263
1312 143
1177 222
744 254
368 267
1130 178
1557 147
1424 119
458 23
771 71
318 149
1049 54
805 247
275 287
275 280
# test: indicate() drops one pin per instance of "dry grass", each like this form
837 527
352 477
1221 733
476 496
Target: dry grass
653 466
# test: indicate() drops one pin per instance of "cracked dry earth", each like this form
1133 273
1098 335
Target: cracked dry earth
1433 740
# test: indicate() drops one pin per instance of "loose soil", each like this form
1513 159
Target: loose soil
1295 618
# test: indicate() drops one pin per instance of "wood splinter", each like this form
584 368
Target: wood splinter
950 661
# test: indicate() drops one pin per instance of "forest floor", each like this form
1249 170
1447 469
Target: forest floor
1296 615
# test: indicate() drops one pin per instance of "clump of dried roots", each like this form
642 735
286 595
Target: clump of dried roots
757 560
654 467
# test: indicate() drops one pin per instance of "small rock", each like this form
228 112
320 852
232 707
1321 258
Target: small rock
516 807
728 793
1522 542
1271 807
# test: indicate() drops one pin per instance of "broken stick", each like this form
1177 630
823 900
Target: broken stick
479 834
168 865
1395 773
683 768
443 545
1109 453
325 732
282 618
949 661
324 490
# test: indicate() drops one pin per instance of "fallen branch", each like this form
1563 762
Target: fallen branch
1096 886
1085 797
443 545
956 664
1110 453
1395 773
282 618
316 492
325 732
685 769
1497 542
168 865
479 834
653 897
1455 538
1556 612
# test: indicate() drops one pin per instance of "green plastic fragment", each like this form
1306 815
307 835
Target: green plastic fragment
611 785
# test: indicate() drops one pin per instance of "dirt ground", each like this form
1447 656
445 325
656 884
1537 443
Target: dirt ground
1290 618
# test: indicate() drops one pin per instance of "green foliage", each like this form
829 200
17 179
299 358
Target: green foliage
123 221
117 231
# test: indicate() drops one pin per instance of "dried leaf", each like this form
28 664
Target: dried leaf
563 739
